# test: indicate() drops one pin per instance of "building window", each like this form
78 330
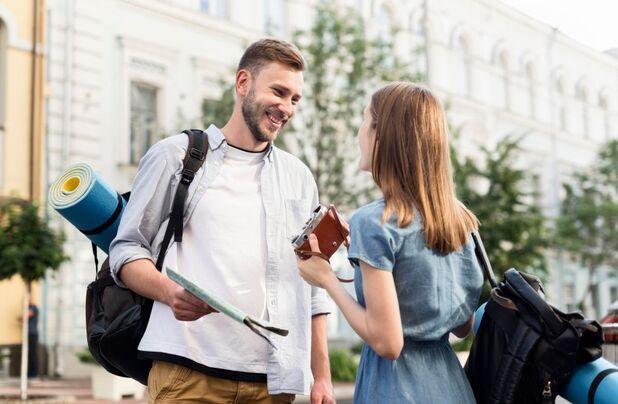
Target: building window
568 291
384 33
560 104
384 24
604 106
582 100
216 8
274 17
613 294
504 82
417 23
144 120
531 90
463 68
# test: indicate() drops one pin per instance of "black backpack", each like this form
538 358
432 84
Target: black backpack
525 350
116 318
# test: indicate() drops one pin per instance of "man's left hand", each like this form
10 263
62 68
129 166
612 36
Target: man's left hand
322 392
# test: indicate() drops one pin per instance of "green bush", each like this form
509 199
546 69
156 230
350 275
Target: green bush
464 344
85 356
342 365
357 348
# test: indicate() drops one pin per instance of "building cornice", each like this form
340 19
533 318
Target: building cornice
196 18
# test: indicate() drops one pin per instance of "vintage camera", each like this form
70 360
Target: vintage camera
316 216
329 228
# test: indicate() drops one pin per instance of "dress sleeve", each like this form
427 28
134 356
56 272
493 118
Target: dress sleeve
371 241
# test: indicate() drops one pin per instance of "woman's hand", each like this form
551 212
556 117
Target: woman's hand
316 271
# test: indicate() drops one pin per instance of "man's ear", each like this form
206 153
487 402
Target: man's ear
243 82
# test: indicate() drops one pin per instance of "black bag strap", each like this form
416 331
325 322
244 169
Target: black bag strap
104 226
196 154
512 362
481 256
597 381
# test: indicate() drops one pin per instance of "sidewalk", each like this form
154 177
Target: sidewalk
79 390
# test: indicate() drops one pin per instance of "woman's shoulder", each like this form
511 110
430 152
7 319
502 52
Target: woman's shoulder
371 210
370 215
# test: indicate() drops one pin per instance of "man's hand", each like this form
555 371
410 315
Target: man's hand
186 307
322 392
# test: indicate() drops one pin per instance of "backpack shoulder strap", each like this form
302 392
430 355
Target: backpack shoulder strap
512 363
481 256
194 158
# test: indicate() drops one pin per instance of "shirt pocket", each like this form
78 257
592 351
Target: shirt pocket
297 212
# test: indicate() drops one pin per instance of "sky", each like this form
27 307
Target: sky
591 22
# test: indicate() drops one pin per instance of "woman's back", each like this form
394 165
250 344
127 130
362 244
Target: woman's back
436 292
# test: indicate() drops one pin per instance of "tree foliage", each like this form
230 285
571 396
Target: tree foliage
219 111
504 199
345 65
28 245
587 228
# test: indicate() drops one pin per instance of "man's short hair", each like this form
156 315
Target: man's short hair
265 51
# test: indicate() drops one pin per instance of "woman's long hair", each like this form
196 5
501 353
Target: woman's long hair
412 165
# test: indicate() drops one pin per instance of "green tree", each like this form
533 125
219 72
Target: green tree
344 65
218 111
28 248
503 197
587 227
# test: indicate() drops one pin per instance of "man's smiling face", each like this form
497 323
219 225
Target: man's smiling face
271 100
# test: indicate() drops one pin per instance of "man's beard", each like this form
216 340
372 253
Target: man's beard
252 112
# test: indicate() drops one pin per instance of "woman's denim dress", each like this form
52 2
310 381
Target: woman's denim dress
436 292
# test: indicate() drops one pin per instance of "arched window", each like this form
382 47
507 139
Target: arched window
273 17
384 24
462 74
604 106
560 103
216 8
417 23
581 94
503 97
531 89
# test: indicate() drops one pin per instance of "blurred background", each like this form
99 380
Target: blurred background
530 89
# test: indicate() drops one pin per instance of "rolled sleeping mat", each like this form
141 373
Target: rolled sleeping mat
90 204
594 382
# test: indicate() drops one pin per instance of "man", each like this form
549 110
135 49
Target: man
33 339
243 207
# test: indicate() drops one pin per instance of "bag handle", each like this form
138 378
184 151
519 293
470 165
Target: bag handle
481 256
519 285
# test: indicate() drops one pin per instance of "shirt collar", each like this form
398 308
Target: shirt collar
216 139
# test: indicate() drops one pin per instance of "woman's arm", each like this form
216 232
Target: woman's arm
379 324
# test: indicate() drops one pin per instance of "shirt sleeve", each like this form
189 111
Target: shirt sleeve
371 241
146 210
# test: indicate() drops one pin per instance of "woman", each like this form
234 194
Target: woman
416 275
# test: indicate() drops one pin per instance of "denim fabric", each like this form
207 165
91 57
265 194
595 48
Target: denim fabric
436 292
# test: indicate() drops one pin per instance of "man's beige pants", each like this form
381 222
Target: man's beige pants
171 383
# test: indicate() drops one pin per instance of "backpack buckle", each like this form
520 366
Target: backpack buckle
186 176
197 154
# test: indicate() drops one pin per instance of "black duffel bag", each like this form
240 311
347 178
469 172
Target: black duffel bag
525 350
116 318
